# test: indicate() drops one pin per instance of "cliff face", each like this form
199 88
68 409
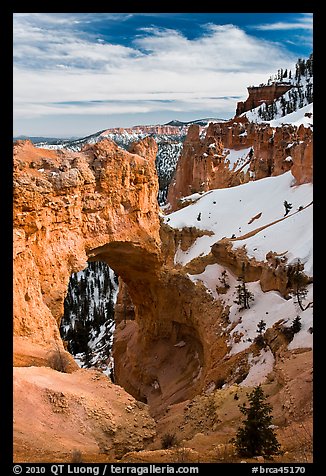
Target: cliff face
204 162
101 204
170 341
67 207
260 94
155 129
202 166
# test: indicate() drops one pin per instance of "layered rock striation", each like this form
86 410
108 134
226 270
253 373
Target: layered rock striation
100 204
204 164
262 94
170 341
67 207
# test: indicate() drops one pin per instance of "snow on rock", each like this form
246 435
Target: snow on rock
201 247
210 278
229 212
269 306
304 338
255 209
260 367
298 99
292 236
304 116
237 158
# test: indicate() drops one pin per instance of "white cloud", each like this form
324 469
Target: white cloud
61 71
304 22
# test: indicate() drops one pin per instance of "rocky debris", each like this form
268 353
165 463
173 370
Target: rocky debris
293 370
76 411
176 455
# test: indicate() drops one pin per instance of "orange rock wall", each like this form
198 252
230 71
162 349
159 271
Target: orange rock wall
101 204
203 165
261 94
66 206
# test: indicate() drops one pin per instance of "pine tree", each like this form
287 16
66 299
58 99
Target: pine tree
296 325
224 279
260 340
83 315
261 326
287 207
256 437
310 64
283 105
298 281
243 295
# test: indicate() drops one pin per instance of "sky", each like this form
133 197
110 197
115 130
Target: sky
77 73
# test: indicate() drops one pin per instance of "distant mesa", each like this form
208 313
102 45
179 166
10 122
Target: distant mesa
175 122
200 122
173 127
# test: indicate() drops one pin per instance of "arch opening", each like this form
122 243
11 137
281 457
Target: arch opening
88 324
153 349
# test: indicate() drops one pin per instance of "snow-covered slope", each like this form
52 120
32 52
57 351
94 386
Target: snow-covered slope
253 215
303 116
237 211
270 307
292 106
238 158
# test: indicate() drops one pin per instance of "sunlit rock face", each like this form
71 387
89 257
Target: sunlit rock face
234 152
67 206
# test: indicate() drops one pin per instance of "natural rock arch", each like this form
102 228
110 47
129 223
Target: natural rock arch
66 205
101 204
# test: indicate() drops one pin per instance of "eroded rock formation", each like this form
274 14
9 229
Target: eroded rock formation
170 345
101 204
262 94
203 164
67 207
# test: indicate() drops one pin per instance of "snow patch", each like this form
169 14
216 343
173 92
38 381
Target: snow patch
270 307
296 118
260 367
228 212
237 158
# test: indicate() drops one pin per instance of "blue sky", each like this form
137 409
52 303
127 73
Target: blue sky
77 73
